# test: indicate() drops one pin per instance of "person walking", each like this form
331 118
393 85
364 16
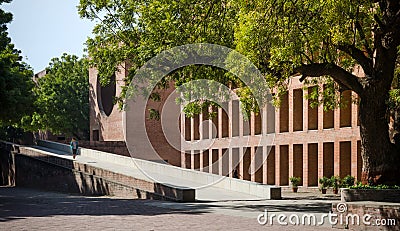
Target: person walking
74 147
235 173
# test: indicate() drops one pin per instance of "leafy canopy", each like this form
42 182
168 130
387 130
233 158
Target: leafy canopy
16 98
139 30
311 37
62 97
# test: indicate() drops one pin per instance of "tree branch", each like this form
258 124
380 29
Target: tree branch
341 76
364 38
358 55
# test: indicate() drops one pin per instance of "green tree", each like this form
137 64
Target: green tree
321 40
16 83
328 38
62 98
138 30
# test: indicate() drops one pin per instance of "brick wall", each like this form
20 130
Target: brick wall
334 134
115 147
386 213
110 127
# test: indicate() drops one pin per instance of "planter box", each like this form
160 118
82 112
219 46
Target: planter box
383 195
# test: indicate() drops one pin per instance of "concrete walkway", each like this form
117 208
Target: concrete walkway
209 193
25 209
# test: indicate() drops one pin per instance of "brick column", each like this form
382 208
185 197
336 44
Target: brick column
220 161
320 159
336 117
336 157
252 124
241 163
264 120
210 124
290 99
277 165
320 113
201 159
252 164
191 128
354 158
305 112
291 162
230 117
219 122
240 122
200 127
354 111
277 120
305 164
336 120
192 159
230 161
210 160
183 159
265 164
183 128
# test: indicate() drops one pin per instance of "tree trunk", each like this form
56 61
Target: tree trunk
380 158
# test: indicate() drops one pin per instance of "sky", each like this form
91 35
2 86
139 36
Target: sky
44 29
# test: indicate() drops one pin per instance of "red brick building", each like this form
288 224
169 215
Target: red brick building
309 142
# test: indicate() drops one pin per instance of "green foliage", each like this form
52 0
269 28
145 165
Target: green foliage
324 182
154 114
348 181
366 186
295 181
248 102
394 99
335 182
16 98
280 36
155 96
62 104
10 133
323 41
197 107
138 30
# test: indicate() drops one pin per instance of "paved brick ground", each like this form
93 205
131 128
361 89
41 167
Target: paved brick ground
25 209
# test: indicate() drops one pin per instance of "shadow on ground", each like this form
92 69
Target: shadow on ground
19 203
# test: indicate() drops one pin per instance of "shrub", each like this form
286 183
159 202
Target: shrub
335 182
325 182
295 181
381 186
348 181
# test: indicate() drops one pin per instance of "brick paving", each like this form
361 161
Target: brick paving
26 209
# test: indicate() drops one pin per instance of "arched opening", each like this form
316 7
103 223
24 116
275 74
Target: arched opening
106 95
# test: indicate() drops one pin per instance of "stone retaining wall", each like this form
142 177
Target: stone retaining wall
247 187
384 195
38 170
27 167
379 213
116 147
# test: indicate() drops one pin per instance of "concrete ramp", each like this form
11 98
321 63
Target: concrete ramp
167 178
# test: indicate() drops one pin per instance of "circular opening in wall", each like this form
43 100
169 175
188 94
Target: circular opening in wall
106 95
